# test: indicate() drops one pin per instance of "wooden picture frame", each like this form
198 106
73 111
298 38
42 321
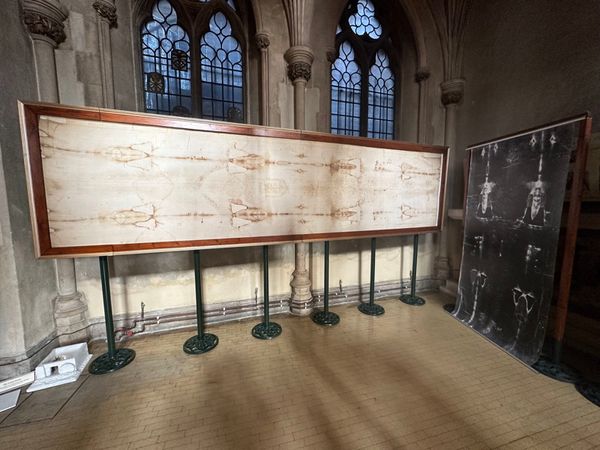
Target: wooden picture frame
46 127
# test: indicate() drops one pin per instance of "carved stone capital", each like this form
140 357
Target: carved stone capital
452 91
299 69
44 19
107 10
262 41
299 59
423 73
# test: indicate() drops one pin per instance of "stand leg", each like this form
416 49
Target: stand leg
326 317
412 299
114 359
551 366
266 329
371 308
202 342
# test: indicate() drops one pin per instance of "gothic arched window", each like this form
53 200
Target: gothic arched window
363 49
201 75
221 72
166 63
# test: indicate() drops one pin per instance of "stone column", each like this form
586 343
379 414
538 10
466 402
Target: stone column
299 59
424 127
105 20
422 78
263 42
44 21
452 94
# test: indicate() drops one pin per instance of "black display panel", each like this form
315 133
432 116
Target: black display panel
515 196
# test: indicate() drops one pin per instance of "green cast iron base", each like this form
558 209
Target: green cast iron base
412 300
266 331
449 307
546 366
105 364
371 310
326 318
200 344
591 391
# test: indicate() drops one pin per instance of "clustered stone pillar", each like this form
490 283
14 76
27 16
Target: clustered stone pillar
452 94
44 21
106 19
263 42
299 59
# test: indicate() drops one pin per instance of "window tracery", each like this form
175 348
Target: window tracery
368 108
198 76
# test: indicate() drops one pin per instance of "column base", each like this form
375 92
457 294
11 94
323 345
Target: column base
301 308
442 268
71 319
105 364
201 343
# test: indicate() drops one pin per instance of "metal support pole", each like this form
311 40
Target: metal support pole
114 359
326 317
266 329
412 299
371 308
202 342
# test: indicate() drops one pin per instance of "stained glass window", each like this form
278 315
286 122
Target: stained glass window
363 22
196 71
221 72
166 63
365 109
345 93
381 98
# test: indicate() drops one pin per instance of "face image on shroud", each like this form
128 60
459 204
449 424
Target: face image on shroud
514 202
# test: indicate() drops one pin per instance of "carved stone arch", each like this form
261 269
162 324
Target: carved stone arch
416 24
256 13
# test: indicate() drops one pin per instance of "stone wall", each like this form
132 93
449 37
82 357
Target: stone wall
27 286
164 282
526 63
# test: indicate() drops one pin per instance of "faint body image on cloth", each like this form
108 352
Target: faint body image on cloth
514 202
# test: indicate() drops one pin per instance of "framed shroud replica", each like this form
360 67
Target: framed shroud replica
513 208
105 182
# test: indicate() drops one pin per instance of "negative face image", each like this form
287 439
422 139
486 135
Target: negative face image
514 202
